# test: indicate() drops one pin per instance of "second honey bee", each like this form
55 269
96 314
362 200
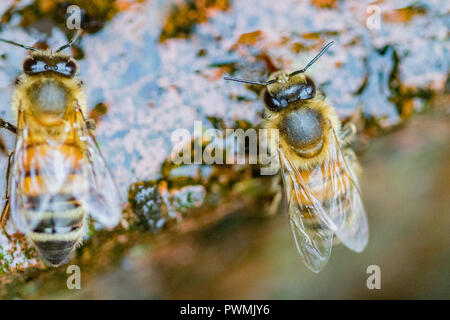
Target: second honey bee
319 169
56 175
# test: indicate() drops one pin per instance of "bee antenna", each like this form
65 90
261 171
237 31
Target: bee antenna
20 45
250 81
69 44
313 60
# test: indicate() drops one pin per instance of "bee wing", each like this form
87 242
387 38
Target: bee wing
346 207
60 176
45 178
103 198
323 202
312 229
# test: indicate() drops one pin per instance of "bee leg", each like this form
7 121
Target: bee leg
4 219
347 133
91 125
275 204
6 209
6 125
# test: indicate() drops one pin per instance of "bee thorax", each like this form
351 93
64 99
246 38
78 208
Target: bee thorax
303 131
49 97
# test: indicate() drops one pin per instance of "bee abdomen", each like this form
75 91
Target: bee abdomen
57 248
42 178
58 233
325 197
52 207
55 252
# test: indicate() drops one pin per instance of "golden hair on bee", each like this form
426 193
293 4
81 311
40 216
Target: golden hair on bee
318 168
291 99
318 107
57 176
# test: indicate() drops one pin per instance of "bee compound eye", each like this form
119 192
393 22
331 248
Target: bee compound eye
71 67
308 90
28 65
271 102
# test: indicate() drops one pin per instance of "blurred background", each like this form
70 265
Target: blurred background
200 232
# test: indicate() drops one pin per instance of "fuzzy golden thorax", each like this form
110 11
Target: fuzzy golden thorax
46 91
304 125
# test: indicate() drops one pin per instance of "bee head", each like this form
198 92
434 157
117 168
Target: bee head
284 88
39 62
303 130
43 63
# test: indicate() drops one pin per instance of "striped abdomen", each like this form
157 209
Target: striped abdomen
327 187
51 185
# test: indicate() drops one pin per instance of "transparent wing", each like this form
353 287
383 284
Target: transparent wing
103 198
352 229
53 177
324 201
46 177
313 232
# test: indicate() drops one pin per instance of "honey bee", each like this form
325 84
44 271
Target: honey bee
318 168
56 175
